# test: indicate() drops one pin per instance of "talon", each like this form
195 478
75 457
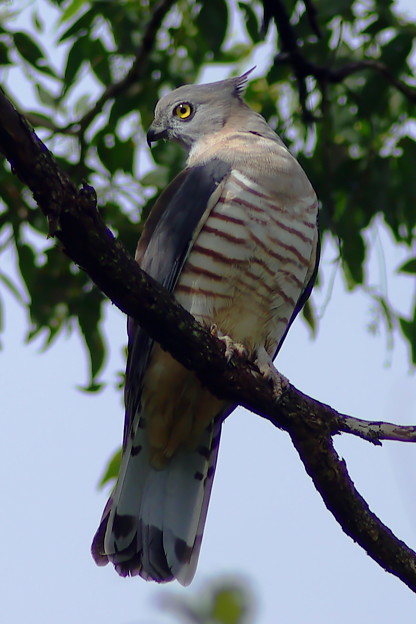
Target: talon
231 348
279 382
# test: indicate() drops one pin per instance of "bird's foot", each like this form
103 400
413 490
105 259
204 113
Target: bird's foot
232 349
279 382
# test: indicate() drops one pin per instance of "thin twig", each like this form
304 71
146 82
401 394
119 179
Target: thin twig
290 48
43 122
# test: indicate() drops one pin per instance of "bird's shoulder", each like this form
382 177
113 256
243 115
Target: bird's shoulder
261 157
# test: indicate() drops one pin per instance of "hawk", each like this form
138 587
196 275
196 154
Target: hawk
235 238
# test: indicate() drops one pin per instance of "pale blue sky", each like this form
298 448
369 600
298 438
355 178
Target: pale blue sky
266 522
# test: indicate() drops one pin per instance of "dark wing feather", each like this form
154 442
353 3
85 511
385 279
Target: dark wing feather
161 252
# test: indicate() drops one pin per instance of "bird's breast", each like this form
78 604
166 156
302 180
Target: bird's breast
247 267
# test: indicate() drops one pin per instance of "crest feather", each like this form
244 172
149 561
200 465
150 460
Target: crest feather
240 83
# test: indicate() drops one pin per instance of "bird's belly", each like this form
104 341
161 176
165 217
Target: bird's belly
177 407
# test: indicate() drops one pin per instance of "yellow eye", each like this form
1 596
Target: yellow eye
183 110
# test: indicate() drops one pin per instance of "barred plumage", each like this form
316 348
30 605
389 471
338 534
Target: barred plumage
272 254
235 238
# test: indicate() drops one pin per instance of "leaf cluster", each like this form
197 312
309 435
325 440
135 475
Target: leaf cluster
337 87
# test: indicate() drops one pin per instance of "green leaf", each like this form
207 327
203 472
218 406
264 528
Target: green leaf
105 149
212 23
353 256
251 22
112 469
39 117
76 56
99 62
115 154
37 22
328 9
45 96
408 267
82 105
229 606
396 51
379 23
80 27
4 54
308 313
31 52
28 48
27 267
123 106
409 331
89 317
126 152
1 320
72 8
12 288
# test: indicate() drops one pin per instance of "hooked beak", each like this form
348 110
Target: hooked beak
154 134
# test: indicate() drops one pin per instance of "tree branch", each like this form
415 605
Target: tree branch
74 220
312 14
374 431
291 53
136 71
334 76
331 479
290 48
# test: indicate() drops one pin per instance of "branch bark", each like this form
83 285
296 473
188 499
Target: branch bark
74 220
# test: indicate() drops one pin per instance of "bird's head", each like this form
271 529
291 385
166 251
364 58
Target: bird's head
192 111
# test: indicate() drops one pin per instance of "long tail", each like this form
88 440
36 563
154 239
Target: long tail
153 522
